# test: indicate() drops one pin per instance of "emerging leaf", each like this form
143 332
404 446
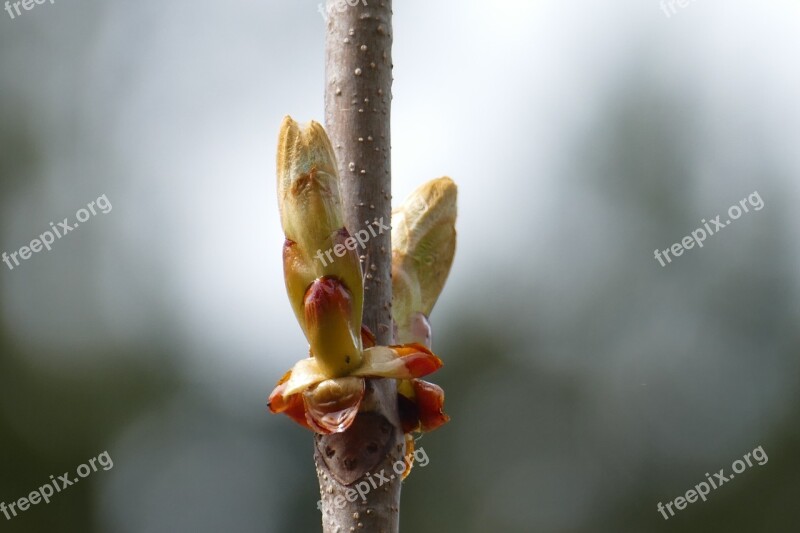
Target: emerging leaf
327 296
423 246
335 342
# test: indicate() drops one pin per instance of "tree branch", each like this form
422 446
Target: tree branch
358 81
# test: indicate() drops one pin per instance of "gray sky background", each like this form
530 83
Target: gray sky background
582 135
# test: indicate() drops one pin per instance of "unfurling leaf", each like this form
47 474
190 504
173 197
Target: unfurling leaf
324 392
423 246
326 296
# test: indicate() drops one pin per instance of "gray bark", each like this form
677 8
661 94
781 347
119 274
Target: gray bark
358 81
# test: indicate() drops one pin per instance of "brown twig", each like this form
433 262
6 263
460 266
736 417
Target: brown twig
358 81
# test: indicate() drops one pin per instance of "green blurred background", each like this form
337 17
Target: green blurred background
585 382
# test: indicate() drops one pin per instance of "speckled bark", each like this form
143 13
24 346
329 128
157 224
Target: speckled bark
358 81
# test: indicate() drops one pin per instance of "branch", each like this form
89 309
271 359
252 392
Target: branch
358 81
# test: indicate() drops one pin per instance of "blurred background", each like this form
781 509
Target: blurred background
586 382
